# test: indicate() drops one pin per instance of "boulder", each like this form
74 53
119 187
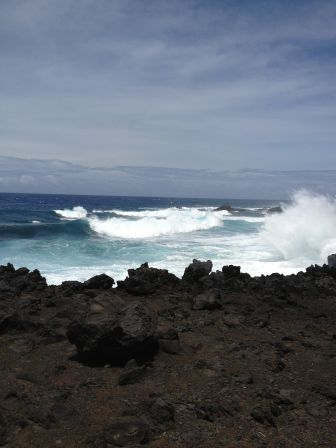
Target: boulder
101 281
196 270
111 333
146 280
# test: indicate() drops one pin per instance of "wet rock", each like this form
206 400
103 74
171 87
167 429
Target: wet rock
196 270
110 336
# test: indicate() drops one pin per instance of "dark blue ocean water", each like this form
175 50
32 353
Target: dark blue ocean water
75 237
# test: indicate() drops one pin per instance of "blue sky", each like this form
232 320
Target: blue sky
218 85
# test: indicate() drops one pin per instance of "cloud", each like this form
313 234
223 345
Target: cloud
36 176
182 83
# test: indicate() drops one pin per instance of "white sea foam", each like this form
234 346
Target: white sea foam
152 223
306 229
245 218
36 222
75 213
162 213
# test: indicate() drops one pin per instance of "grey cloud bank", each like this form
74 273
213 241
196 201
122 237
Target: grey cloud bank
193 84
55 176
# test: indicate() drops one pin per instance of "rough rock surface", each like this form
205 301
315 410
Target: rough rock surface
217 359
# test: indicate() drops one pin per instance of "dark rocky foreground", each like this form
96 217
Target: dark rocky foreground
212 360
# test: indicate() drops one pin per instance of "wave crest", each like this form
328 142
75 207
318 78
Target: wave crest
155 223
74 213
305 229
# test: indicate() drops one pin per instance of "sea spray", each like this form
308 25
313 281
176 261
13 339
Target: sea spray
306 229
77 212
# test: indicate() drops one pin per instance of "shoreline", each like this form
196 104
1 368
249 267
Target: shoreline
212 359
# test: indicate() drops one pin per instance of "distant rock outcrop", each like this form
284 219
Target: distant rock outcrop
224 207
273 210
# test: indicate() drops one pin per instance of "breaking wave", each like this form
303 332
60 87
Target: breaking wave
305 229
152 223
75 213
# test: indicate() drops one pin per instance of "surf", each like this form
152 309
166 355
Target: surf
305 229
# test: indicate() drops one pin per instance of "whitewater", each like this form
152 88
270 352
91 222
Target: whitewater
75 237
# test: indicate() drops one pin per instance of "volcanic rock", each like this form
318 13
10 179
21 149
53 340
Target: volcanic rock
101 281
197 270
112 335
146 280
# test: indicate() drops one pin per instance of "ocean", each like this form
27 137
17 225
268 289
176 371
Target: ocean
71 237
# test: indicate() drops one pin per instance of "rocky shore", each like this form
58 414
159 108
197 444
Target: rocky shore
215 359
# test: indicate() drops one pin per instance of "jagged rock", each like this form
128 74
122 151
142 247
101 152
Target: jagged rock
111 335
231 271
21 280
48 398
146 280
196 270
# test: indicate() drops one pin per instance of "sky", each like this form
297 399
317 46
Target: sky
224 86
